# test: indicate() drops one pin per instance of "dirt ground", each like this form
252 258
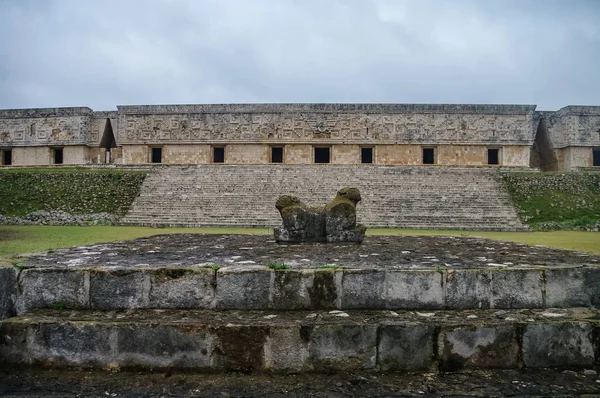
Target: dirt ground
389 252
505 383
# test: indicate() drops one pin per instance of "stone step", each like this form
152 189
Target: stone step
303 341
258 287
454 198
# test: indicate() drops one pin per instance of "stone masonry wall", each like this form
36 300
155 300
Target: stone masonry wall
327 124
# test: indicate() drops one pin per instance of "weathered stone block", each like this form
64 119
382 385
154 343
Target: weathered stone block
182 288
414 289
119 289
325 292
558 345
407 347
469 288
67 344
14 346
493 346
47 288
363 289
286 351
518 288
243 288
240 348
342 347
291 289
573 287
164 346
8 292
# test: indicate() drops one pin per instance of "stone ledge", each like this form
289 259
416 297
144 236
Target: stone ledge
327 108
302 341
44 112
260 288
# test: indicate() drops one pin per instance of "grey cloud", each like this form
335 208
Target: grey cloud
105 53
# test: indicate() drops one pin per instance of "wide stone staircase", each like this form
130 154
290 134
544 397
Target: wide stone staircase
392 196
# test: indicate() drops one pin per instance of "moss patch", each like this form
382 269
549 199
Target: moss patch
556 200
73 190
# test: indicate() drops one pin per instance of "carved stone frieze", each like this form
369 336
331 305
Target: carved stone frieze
326 127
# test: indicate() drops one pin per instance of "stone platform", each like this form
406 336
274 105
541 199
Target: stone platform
301 341
243 302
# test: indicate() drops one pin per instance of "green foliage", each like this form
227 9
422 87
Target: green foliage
330 266
74 190
214 267
278 266
60 305
556 200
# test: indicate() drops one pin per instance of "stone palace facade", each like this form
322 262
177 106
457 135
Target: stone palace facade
384 134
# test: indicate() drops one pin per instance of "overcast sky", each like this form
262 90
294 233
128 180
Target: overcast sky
103 53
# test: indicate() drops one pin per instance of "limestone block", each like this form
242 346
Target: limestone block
517 288
247 154
407 347
286 351
291 289
239 348
119 289
573 287
164 346
8 292
71 344
414 289
14 346
342 347
243 288
477 347
363 289
326 290
48 288
182 288
468 288
558 345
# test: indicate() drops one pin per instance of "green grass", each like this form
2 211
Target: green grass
21 240
556 200
71 189
278 266
568 240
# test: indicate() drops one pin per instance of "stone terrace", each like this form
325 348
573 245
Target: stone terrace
390 304
393 196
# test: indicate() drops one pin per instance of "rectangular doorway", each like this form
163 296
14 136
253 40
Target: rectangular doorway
276 154
493 156
218 154
322 155
156 155
58 156
7 157
366 155
596 157
428 155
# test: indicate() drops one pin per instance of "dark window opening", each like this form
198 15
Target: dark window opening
156 155
493 157
218 155
428 155
322 155
58 155
366 155
276 155
7 157
596 156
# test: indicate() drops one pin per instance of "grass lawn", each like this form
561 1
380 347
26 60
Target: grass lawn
20 240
